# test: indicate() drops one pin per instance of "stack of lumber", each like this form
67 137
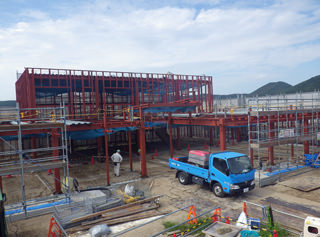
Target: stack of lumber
117 215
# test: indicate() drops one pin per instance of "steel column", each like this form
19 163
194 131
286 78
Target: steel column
190 127
270 149
34 146
306 143
170 135
239 134
106 147
211 135
178 139
99 145
142 138
130 150
222 135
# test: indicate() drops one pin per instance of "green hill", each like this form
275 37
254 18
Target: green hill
306 86
272 88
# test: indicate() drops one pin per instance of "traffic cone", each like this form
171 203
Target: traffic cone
205 146
92 160
155 152
188 147
49 171
244 208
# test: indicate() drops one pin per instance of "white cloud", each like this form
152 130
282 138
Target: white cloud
231 42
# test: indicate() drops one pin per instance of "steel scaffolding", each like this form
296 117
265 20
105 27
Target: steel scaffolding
290 125
18 156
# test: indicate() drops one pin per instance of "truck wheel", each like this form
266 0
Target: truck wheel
183 178
217 190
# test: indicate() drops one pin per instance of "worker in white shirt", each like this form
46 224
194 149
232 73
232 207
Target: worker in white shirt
117 159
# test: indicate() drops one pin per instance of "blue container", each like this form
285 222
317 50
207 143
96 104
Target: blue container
254 223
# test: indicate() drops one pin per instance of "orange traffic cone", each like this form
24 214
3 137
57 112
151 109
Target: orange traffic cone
244 208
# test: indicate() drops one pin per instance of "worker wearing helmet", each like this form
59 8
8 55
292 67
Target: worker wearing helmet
117 159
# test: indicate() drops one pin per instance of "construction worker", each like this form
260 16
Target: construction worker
117 159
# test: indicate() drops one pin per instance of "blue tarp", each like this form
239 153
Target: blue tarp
94 133
15 137
155 124
284 170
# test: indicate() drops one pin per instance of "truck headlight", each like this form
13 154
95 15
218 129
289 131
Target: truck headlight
234 186
252 182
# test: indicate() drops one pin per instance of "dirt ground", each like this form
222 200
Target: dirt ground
161 181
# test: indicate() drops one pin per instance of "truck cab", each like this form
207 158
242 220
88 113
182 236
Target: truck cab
230 172
225 172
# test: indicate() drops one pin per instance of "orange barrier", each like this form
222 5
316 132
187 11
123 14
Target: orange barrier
216 215
54 229
192 210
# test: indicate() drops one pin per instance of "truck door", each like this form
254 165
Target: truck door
219 170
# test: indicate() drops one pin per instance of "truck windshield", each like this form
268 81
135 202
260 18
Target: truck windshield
239 165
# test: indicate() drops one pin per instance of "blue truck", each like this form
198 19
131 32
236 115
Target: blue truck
225 172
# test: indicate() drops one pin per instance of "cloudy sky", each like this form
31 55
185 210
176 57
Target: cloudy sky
242 44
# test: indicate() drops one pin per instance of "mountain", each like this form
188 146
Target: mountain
272 88
306 86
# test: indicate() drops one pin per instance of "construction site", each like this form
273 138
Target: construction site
60 180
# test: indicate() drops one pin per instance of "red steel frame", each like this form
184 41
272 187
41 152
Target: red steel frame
85 93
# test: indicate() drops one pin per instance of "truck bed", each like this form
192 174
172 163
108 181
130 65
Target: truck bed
181 163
